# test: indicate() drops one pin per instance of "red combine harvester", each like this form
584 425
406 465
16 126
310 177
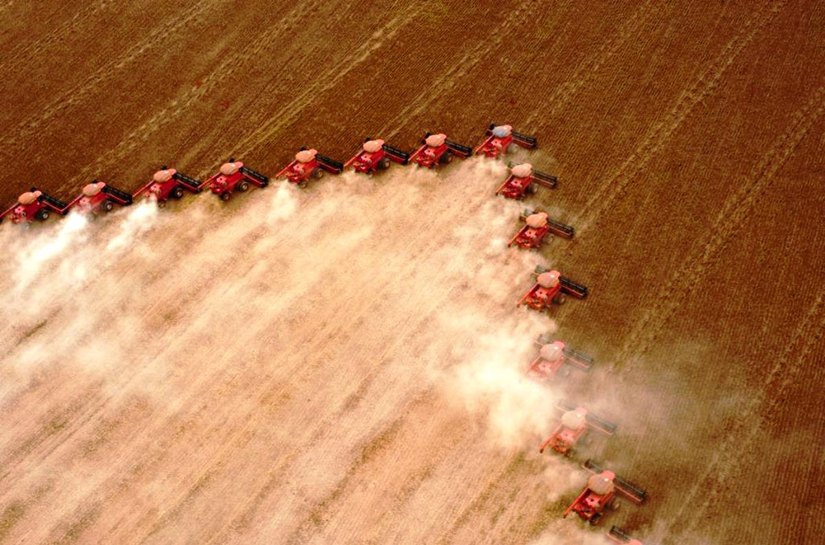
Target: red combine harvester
234 176
98 197
550 289
537 225
308 163
375 155
524 180
601 492
503 139
573 427
553 355
168 183
34 205
620 536
437 150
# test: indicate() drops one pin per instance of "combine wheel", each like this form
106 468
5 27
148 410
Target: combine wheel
177 193
559 299
162 204
532 188
302 185
446 157
318 173
225 196
42 215
511 148
384 163
242 186
107 205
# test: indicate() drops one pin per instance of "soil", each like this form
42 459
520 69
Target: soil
345 363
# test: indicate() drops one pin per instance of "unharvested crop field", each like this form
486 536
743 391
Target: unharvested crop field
344 364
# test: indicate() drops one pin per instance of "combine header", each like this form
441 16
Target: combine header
168 183
234 176
99 197
437 150
537 226
573 427
620 536
550 289
553 355
524 180
308 163
375 155
601 492
503 139
34 205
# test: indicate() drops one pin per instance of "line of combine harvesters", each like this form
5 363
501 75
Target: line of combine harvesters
549 288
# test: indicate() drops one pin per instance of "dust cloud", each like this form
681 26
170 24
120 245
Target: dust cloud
271 335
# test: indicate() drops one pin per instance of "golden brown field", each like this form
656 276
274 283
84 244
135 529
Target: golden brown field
344 364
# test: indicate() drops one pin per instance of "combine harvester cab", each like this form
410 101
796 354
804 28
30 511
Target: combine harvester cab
99 197
618 535
234 176
552 356
550 289
308 163
436 150
168 183
523 180
601 493
375 155
34 205
573 427
501 139
537 225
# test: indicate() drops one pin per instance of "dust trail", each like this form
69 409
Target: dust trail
257 351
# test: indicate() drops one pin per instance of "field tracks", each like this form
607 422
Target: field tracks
108 71
656 138
729 219
562 93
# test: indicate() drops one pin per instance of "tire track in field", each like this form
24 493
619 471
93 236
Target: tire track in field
25 51
458 70
326 81
28 128
562 94
170 113
658 136
648 328
725 465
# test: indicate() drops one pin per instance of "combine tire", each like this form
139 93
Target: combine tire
511 148
446 158
318 173
302 185
177 193
532 188
242 186
161 204
107 205
42 215
559 299
225 196
384 163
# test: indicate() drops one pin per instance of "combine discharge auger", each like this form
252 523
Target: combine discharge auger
234 176
34 205
375 155
537 225
168 183
601 493
308 163
503 139
553 355
550 289
573 427
436 150
99 197
620 536
523 180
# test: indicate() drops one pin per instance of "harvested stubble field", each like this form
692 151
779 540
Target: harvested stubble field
343 364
